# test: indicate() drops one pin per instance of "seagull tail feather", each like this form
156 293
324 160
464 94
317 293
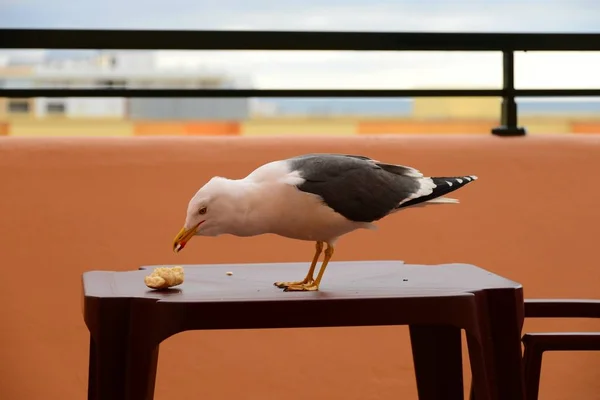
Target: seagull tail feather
443 186
443 200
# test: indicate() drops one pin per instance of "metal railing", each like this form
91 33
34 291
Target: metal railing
507 43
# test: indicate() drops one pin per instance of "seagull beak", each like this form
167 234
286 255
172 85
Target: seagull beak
183 237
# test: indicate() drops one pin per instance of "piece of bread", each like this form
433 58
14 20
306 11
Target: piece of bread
164 277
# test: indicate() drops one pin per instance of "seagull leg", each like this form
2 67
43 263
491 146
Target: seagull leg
309 276
313 285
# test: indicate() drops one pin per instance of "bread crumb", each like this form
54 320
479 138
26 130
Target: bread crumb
229 273
164 277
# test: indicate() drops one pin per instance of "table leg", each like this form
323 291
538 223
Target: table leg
437 359
505 310
142 372
107 370
482 386
121 366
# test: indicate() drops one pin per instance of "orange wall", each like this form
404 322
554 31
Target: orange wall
287 126
216 128
71 205
586 127
411 126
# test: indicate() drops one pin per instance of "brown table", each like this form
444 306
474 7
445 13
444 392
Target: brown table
127 321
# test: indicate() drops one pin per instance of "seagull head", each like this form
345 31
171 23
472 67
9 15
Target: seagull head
209 212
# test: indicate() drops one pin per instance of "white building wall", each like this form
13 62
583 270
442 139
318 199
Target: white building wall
138 69
105 107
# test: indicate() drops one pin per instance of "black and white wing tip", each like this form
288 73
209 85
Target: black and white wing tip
433 189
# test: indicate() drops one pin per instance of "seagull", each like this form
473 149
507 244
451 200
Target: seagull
312 197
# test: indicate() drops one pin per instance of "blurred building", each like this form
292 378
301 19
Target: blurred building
118 69
241 116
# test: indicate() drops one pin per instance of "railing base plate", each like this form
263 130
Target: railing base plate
509 131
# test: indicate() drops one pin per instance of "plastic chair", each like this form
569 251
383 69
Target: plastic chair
537 343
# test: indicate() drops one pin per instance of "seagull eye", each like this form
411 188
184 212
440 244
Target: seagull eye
202 211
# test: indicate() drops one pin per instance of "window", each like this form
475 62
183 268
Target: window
111 84
18 106
55 108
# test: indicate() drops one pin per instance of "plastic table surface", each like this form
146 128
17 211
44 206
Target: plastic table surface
356 293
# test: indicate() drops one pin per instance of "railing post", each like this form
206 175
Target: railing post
508 116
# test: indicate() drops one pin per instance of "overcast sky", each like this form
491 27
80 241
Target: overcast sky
344 69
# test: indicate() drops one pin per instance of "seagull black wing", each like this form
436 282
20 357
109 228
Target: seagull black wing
365 190
357 187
